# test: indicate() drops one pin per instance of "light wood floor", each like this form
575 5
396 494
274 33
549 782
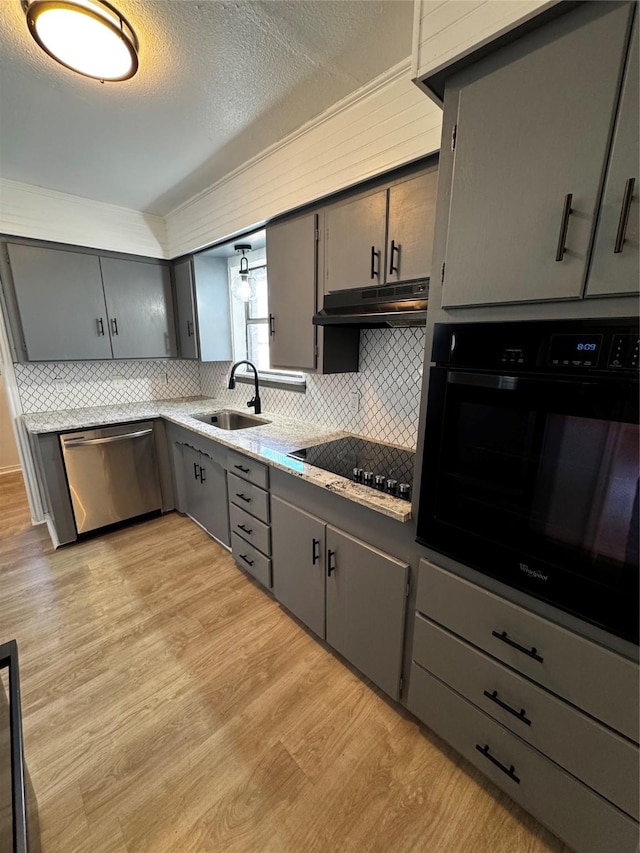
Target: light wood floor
170 706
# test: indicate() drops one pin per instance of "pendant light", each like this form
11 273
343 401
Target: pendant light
243 284
87 36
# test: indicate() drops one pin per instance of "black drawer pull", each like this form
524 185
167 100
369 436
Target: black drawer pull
195 469
246 559
509 772
315 551
240 468
519 715
247 530
243 498
532 653
624 215
564 226
202 477
394 248
374 256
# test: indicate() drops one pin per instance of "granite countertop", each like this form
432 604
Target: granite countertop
269 443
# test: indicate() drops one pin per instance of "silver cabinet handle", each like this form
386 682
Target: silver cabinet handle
109 440
564 226
624 215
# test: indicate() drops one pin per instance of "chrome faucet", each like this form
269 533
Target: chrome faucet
255 401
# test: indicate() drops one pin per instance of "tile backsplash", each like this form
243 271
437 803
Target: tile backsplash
389 384
48 386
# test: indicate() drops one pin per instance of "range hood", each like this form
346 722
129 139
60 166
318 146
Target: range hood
375 307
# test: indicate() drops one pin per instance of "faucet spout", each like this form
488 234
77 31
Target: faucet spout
255 401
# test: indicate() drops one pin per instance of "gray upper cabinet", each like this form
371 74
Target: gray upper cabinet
412 208
186 323
531 139
355 242
615 258
383 237
140 308
61 303
366 603
298 548
292 273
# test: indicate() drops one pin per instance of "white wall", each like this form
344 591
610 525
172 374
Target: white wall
9 460
383 125
27 211
444 32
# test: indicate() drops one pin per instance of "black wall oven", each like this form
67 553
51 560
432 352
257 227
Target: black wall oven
530 463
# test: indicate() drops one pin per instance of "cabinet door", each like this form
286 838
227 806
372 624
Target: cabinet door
355 240
297 542
213 507
412 207
292 269
366 602
185 304
140 307
61 303
532 131
615 260
191 481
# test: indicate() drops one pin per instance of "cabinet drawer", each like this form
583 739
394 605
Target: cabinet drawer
576 814
248 497
250 529
596 755
595 679
251 560
248 469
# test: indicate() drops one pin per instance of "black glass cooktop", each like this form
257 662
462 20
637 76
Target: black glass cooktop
388 469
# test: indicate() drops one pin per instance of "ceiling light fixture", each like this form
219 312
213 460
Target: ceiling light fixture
87 36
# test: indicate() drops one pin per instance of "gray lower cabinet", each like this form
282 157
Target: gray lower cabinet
140 307
531 138
250 515
299 572
205 492
366 604
186 322
61 304
345 590
549 716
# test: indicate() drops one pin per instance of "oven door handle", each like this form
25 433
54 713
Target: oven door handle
483 380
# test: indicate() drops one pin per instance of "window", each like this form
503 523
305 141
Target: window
250 322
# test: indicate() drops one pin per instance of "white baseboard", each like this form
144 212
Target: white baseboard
11 469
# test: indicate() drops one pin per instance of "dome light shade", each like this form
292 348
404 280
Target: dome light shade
87 36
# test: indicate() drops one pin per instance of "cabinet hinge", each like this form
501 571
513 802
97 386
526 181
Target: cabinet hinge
454 134
442 276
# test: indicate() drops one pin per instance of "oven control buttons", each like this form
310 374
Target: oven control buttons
624 352
512 355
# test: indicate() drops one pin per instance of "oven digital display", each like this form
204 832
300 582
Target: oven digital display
575 350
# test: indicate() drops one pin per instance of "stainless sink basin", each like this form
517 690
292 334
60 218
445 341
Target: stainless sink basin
230 420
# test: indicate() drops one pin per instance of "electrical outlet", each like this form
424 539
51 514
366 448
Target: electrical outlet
354 402
119 382
61 384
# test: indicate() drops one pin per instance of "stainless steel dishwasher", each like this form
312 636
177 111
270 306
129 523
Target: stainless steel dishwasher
112 474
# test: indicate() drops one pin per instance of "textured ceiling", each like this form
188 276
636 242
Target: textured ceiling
218 82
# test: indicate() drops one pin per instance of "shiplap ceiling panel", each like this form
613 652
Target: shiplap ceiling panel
218 82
